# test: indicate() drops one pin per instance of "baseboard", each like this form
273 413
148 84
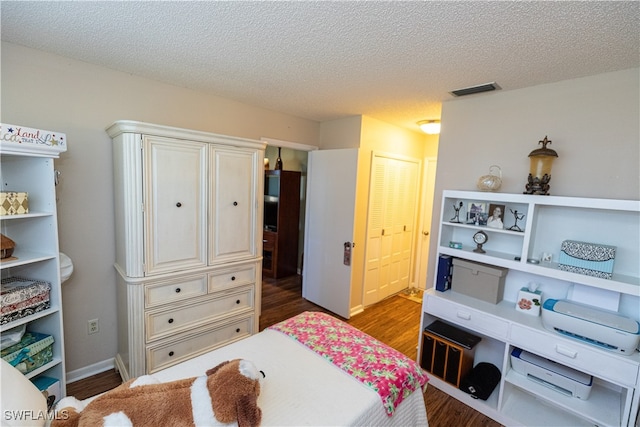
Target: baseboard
90 370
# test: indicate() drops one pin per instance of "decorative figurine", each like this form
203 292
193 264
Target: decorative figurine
456 217
517 217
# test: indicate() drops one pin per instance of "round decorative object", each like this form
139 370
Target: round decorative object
491 182
7 247
480 238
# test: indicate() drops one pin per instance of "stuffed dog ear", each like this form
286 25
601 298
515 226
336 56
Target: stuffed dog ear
249 414
215 369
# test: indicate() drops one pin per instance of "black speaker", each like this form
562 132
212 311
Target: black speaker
481 380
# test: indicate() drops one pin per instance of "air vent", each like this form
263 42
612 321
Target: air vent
487 87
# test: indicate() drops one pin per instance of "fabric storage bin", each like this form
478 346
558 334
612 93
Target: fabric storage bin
14 203
33 351
485 282
20 297
590 259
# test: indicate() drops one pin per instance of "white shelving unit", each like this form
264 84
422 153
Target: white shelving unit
29 168
545 222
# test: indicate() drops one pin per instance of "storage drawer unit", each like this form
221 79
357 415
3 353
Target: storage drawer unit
579 356
186 316
185 346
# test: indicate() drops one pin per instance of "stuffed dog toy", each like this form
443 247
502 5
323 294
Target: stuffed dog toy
226 395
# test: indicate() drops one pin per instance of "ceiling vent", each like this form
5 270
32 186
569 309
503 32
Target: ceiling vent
487 87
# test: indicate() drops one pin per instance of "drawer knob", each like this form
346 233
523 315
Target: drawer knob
238 330
463 315
178 290
179 205
233 278
235 203
566 351
170 320
171 354
237 301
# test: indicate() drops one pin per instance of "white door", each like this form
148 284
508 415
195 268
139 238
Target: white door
424 237
390 226
330 214
234 205
175 208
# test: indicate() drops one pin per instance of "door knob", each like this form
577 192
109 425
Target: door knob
426 233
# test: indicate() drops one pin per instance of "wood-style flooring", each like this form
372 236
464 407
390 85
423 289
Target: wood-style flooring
394 321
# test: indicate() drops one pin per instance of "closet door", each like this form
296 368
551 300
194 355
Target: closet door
234 204
175 185
390 225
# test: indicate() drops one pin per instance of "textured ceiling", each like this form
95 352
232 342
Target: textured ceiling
394 61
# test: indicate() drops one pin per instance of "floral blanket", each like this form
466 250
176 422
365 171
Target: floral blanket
387 371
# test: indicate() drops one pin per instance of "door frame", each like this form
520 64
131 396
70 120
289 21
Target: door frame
429 167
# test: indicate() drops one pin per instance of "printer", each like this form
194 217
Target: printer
602 328
551 374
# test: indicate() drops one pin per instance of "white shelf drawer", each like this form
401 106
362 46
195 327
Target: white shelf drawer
467 317
168 292
596 362
168 354
232 277
166 322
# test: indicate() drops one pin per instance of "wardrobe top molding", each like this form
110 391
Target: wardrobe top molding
564 201
129 126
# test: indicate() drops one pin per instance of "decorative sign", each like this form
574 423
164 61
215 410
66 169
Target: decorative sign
14 137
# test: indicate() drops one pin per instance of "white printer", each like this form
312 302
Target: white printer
602 328
558 377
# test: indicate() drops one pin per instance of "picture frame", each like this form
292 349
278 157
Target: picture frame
496 221
477 213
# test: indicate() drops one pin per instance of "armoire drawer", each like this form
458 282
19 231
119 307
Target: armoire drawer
467 317
185 347
175 290
228 278
224 304
593 361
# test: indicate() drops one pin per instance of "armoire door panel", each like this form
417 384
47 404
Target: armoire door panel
175 207
233 203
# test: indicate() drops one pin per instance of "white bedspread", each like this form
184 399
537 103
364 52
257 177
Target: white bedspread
301 388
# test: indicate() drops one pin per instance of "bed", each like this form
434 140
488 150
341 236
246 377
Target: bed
302 387
320 371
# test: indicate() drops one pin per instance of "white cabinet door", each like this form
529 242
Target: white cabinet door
331 197
175 204
234 204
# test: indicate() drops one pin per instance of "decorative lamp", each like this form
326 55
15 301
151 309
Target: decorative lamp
431 127
541 160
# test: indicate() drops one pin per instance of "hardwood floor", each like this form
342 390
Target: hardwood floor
394 321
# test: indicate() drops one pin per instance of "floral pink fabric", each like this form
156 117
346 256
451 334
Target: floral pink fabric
387 371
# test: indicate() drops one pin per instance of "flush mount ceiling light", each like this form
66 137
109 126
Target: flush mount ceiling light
432 127
486 87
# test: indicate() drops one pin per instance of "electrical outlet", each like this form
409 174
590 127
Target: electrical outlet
93 327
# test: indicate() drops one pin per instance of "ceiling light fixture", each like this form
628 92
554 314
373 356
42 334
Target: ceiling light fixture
431 127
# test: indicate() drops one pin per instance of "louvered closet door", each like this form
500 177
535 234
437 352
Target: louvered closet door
175 174
390 227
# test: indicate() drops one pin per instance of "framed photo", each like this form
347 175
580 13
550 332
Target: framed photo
496 216
477 213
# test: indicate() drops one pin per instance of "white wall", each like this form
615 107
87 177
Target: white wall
45 91
594 123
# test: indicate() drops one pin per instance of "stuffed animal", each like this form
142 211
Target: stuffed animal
227 394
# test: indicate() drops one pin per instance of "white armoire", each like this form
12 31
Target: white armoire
188 242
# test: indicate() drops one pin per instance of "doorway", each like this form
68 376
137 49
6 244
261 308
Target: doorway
294 157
